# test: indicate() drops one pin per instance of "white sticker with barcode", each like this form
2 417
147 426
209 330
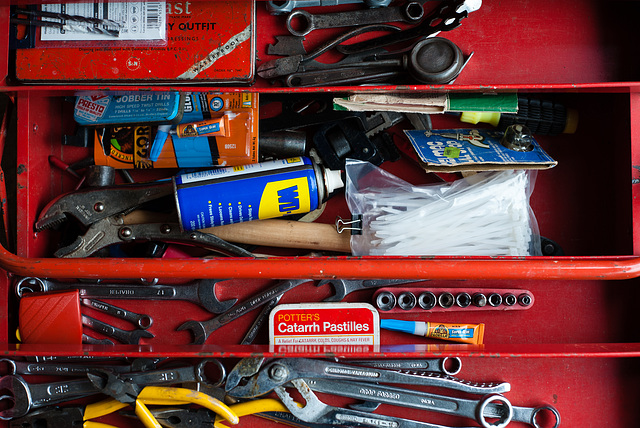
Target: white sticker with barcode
145 20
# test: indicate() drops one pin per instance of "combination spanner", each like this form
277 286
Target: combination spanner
72 369
130 337
300 22
142 321
201 330
280 7
501 409
201 292
448 365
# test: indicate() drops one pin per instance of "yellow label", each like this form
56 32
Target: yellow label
246 99
285 197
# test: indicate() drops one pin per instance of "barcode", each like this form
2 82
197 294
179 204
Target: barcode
154 18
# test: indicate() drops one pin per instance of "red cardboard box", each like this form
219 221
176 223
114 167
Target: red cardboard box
207 42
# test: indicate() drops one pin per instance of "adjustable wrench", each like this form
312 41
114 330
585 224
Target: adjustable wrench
201 330
280 7
201 292
410 12
317 412
279 372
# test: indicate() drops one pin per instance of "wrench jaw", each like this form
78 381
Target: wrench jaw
208 298
246 368
339 287
270 377
20 396
198 332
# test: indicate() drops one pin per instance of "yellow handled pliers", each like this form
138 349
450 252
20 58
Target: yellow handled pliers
181 417
63 417
125 392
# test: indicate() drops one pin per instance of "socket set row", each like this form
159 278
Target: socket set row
451 299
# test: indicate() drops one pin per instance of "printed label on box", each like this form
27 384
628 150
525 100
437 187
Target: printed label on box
324 324
473 150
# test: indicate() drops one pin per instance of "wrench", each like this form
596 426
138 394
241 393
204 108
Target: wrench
142 321
131 337
343 287
445 17
279 372
25 396
317 412
201 292
201 330
93 341
260 320
448 365
280 7
410 12
471 409
29 368
526 415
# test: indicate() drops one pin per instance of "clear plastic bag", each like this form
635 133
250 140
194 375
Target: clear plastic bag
486 214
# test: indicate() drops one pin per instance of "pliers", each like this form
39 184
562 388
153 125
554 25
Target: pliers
125 392
180 417
101 210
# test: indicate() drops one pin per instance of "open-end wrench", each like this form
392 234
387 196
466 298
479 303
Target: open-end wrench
201 292
142 321
93 341
501 413
201 330
300 22
343 287
280 7
130 337
260 320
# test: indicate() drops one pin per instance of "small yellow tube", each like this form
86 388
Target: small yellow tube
217 127
464 333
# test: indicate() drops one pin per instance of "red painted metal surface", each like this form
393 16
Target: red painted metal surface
578 345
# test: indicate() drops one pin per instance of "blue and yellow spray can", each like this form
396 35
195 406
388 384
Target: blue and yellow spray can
251 192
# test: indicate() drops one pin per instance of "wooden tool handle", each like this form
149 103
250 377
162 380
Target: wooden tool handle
270 232
285 233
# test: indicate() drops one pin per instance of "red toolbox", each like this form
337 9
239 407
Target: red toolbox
576 348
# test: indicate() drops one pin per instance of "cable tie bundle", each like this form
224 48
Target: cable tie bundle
487 214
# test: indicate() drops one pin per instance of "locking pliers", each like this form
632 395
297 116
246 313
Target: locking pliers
101 212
